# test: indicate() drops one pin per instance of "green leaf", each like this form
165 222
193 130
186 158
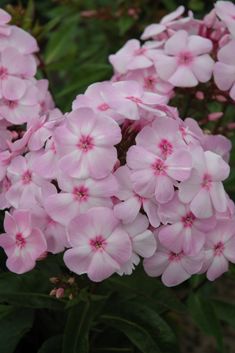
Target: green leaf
13 327
124 24
79 322
53 344
135 333
205 317
225 311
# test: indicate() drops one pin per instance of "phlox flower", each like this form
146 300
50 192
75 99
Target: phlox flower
129 208
224 70
14 68
143 243
22 110
183 230
100 246
129 99
26 185
77 196
86 144
4 19
174 268
131 57
204 189
22 243
225 10
219 249
185 60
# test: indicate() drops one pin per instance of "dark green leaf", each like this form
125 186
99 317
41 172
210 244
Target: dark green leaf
205 317
13 326
53 344
135 333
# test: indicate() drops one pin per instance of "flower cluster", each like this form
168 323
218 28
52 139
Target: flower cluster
121 177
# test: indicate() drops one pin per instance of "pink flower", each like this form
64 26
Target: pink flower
143 243
14 66
100 246
22 110
44 97
185 61
16 37
186 232
26 185
224 70
225 10
128 99
204 189
86 143
78 196
5 185
131 57
174 268
219 249
93 98
149 80
128 210
22 243
159 160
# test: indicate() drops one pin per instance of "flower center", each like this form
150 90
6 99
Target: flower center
149 82
80 193
98 243
27 177
20 240
166 148
176 257
103 107
134 99
185 58
206 182
218 248
188 220
3 73
85 143
159 167
11 104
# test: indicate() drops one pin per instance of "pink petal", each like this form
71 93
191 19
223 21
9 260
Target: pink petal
13 88
201 205
218 266
102 266
174 274
164 189
78 259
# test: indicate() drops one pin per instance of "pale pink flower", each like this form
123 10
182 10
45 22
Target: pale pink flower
14 68
174 268
224 70
26 185
219 249
128 210
78 196
149 80
22 110
128 99
20 39
5 159
185 60
100 246
131 57
225 10
94 98
22 243
186 232
143 243
204 189
86 144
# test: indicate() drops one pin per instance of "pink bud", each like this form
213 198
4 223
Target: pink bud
215 116
59 293
221 98
53 292
231 126
200 95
